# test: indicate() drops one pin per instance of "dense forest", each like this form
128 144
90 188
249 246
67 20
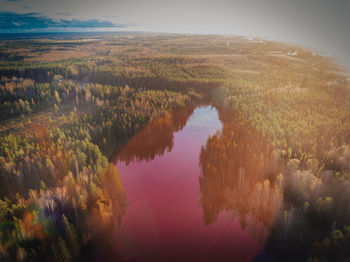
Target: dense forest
67 105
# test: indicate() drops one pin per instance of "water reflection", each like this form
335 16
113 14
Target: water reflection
164 220
155 138
241 175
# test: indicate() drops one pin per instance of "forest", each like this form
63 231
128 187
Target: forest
69 104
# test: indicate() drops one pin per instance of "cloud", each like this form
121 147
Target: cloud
10 21
63 14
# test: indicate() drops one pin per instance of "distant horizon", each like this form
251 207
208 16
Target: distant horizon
319 24
345 62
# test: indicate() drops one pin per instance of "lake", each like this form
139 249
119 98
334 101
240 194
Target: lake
169 216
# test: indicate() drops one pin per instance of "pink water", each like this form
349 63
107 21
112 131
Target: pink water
164 219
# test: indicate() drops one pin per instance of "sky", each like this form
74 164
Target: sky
320 24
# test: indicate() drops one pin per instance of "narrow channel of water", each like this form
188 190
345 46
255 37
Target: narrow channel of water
165 220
